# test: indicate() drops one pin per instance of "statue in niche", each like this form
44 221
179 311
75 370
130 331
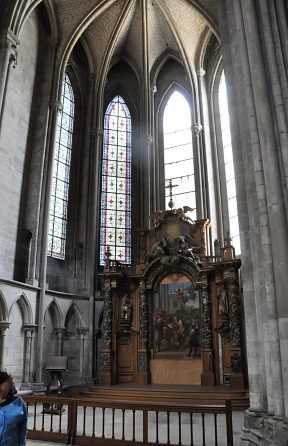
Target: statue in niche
222 303
223 314
126 311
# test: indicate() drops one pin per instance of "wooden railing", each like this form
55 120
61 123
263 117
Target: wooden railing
87 422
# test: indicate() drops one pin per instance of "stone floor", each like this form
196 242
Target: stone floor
237 425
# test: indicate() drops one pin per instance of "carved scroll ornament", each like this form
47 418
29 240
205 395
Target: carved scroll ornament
206 321
107 316
144 320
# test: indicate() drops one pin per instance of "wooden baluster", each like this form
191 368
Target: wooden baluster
60 419
123 424
113 424
51 418
93 433
168 428
179 426
229 427
84 421
35 412
145 426
157 427
42 427
133 415
103 422
203 429
191 429
215 429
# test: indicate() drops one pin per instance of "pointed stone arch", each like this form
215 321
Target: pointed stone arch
56 313
3 308
73 309
26 311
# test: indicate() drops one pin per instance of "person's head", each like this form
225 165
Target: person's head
6 384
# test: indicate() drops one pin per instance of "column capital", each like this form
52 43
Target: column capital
201 73
154 88
57 106
197 128
3 326
97 132
83 332
29 328
10 42
60 329
149 139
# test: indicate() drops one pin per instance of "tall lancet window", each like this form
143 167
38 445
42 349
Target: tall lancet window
61 172
229 165
178 152
115 228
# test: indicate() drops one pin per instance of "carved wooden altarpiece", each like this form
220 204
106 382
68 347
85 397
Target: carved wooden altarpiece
178 302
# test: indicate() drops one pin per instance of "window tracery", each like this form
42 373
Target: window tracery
229 165
61 173
115 223
178 151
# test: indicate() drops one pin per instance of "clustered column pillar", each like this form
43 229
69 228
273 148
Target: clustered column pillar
83 350
3 327
8 56
60 331
28 363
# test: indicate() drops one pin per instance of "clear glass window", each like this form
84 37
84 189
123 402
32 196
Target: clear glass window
229 165
61 173
178 152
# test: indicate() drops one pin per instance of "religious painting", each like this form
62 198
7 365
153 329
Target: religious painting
176 319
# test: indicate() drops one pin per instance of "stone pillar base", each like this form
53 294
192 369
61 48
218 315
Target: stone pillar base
39 388
261 429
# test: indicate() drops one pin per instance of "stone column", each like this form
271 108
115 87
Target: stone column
55 108
3 327
83 332
147 133
198 166
106 370
206 337
28 360
60 331
8 57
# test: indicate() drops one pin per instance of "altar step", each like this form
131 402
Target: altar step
172 394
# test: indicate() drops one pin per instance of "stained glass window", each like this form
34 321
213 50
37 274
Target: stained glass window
116 183
61 171
229 165
178 152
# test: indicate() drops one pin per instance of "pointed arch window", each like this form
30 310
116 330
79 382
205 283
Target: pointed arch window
61 173
178 151
115 227
229 165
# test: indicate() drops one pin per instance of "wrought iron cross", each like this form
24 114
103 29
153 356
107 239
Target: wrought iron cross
170 186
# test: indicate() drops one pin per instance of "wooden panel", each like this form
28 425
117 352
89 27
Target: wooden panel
182 371
124 366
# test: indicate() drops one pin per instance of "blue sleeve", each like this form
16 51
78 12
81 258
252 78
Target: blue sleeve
22 427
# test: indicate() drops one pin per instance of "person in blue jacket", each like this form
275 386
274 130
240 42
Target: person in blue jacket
13 414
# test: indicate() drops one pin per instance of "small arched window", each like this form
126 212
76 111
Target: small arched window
115 227
178 151
61 173
229 165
